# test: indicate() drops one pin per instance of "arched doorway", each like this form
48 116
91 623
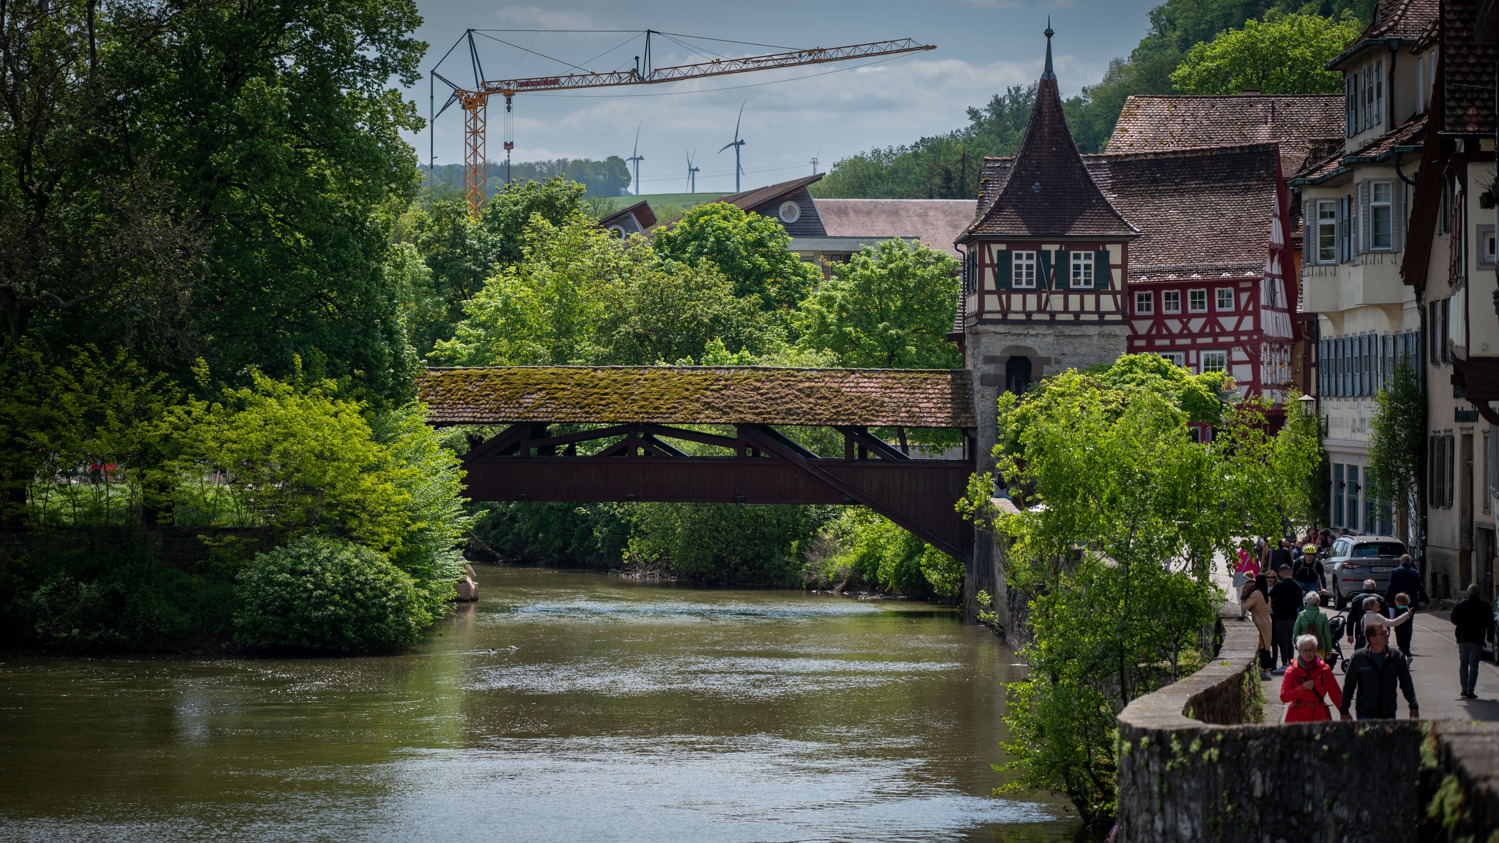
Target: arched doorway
1017 375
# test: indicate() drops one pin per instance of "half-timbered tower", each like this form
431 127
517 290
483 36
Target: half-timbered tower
1045 261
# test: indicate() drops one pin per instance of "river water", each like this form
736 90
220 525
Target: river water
562 706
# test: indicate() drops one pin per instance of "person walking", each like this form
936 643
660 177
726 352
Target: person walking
1406 579
1374 674
1356 614
1285 605
1279 557
1312 621
1252 598
1246 570
1474 619
1305 684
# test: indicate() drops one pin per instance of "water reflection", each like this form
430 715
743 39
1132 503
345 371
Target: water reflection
562 706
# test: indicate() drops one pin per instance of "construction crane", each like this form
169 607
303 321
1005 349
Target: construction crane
475 100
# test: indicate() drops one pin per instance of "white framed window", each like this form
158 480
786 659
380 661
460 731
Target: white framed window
1197 301
1144 302
1177 358
1023 270
1171 301
1082 270
1381 216
1214 361
1327 231
1225 299
1486 245
789 212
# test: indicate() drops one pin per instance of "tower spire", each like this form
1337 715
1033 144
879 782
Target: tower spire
1047 73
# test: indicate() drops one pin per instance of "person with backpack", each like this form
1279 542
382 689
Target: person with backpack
1306 683
1312 621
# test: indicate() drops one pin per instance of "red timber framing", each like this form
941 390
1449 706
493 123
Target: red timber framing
1050 296
686 434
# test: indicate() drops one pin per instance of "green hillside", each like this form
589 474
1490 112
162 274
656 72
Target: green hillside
663 200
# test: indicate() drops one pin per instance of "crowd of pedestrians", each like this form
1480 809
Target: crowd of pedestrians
1281 586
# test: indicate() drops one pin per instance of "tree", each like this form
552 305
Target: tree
1283 55
747 248
888 307
1397 436
507 217
1120 513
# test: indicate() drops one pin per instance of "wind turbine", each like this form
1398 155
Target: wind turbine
636 159
691 175
738 168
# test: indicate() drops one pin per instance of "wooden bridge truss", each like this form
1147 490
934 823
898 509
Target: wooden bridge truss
758 465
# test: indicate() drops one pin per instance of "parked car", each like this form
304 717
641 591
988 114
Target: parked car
1354 559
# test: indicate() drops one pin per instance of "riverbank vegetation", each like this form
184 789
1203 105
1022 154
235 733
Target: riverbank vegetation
1120 516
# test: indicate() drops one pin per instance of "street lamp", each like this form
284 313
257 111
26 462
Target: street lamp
1308 406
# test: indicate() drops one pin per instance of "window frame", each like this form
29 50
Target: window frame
1166 306
1175 358
1192 296
1375 206
1202 361
1218 296
1147 297
1327 231
1085 280
1021 259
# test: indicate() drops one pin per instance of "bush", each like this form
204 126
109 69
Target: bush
323 593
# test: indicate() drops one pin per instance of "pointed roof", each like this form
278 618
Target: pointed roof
1395 21
1047 191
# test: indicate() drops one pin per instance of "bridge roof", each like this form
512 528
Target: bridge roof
698 395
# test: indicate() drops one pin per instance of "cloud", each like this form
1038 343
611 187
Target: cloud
534 17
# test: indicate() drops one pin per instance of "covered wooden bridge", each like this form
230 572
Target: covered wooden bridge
633 417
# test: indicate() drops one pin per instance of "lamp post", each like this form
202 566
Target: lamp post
1308 406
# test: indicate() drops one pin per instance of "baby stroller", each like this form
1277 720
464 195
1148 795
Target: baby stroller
1336 623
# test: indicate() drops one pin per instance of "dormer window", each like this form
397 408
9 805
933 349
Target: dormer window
1082 270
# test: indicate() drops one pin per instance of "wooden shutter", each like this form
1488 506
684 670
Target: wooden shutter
1102 272
1397 216
1002 269
1062 272
1043 270
1363 219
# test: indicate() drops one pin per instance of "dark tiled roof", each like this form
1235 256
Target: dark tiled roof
698 395
1047 191
1468 72
937 222
1402 20
641 211
1406 138
1297 123
1202 211
748 199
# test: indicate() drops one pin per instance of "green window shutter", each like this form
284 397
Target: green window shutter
1101 271
1044 281
1061 276
1002 269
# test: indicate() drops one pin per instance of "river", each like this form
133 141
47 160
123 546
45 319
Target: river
562 706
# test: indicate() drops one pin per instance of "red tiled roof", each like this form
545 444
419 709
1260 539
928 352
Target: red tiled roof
1468 72
1202 211
1047 191
937 222
698 395
1297 123
1406 138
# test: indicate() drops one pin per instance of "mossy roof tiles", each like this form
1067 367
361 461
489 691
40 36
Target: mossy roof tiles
1297 123
698 395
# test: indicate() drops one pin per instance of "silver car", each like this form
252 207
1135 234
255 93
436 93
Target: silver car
1354 559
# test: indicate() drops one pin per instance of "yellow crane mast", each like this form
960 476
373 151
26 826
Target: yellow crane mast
475 100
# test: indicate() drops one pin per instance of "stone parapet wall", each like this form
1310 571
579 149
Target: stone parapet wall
1193 766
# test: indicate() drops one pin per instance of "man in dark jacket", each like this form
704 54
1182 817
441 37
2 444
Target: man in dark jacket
1285 605
1356 614
1406 580
1474 620
1373 675
1280 555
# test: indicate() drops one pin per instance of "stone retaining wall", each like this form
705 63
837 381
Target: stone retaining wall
1193 766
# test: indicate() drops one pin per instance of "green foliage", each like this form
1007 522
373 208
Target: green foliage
747 248
1397 437
888 307
873 550
726 543
606 178
1283 55
1120 513
1201 397
554 534
321 593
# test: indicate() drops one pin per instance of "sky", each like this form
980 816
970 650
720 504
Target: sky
791 115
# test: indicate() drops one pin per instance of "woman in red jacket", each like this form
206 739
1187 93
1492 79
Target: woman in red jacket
1306 682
